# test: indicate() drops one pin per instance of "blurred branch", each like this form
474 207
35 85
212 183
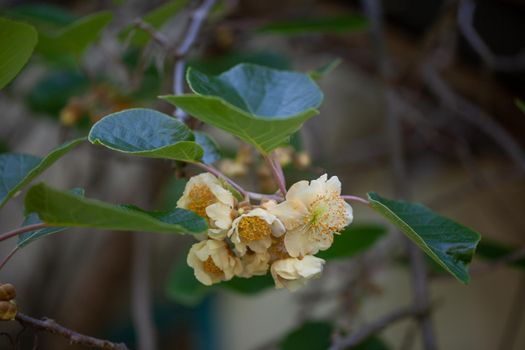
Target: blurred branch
354 339
465 20
21 230
197 18
50 326
157 36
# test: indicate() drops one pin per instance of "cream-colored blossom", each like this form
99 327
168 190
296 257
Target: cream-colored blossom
312 213
255 230
205 195
213 262
255 264
293 273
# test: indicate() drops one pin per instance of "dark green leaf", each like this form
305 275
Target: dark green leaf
217 64
33 218
353 240
171 192
61 208
447 242
260 105
249 286
320 72
340 24
147 133
492 250
209 146
182 285
312 335
520 104
17 170
17 41
45 17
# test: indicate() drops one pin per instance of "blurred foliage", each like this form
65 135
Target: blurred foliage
342 24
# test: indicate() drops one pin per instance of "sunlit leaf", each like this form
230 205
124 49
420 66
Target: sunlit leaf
17 41
17 170
450 244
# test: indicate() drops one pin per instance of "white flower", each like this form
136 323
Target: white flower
312 213
255 264
255 230
205 196
293 273
212 262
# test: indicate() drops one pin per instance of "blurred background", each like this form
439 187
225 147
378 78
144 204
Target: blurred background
421 102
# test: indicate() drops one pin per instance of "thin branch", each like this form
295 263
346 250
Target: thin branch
157 36
219 174
277 172
367 331
347 197
197 18
8 257
21 230
50 326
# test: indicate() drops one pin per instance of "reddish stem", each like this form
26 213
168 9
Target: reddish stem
355 199
21 230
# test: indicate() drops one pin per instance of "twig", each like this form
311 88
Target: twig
157 36
50 326
367 331
141 306
21 230
219 174
465 20
197 19
355 199
8 257
277 172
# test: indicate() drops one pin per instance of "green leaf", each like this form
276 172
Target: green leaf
156 18
76 37
353 240
249 286
520 104
61 208
341 24
320 72
147 133
17 41
17 170
209 146
182 285
492 250
33 218
45 17
311 335
450 244
372 343
260 105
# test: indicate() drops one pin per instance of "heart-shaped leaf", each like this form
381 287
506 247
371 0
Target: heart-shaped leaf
261 105
17 41
147 133
17 170
62 208
450 244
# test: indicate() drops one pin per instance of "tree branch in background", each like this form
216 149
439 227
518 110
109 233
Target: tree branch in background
50 326
197 18
157 36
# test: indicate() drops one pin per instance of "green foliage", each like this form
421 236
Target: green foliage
147 133
44 17
341 24
209 146
354 239
520 104
156 18
260 105
182 285
253 285
312 335
33 218
218 64
17 41
326 69
492 250
74 38
18 170
62 208
450 244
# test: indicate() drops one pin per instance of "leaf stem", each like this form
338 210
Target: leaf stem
218 173
355 199
8 257
277 172
21 230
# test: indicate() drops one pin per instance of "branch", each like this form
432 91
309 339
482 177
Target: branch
21 230
219 174
367 331
277 172
347 197
157 36
8 257
197 18
50 326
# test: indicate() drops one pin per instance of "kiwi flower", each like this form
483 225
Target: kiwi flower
312 213
213 262
293 273
205 196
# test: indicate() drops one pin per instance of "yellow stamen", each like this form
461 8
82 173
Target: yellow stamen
253 228
200 197
209 266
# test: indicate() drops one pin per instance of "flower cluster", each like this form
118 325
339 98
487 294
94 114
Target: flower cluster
245 240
